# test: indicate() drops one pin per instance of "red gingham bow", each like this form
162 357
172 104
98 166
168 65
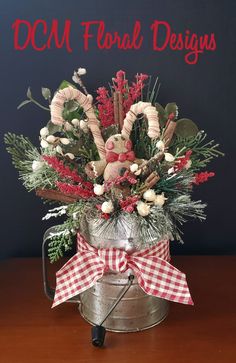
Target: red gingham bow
155 275
111 156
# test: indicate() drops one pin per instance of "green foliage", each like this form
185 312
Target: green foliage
202 152
62 240
161 114
22 151
163 223
23 154
186 128
175 184
65 84
32 100
172 108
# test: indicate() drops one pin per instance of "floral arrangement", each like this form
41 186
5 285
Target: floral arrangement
121 154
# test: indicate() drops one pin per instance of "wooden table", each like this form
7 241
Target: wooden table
31 332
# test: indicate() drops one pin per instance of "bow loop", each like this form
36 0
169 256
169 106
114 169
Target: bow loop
111 156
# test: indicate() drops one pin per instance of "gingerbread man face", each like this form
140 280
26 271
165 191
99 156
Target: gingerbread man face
118 144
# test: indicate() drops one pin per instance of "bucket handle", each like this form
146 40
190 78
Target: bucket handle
48 290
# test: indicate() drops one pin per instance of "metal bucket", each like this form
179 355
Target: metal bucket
137 310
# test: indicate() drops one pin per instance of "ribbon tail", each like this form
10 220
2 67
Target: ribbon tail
159 278
77 275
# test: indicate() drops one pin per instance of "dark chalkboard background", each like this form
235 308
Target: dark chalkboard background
204 92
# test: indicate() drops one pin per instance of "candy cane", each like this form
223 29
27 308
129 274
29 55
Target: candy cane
71 93
149 111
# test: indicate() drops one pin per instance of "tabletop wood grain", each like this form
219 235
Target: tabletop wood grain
30 331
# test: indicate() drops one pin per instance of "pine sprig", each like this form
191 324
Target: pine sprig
202 152
23 154
21 150
175 184
62 239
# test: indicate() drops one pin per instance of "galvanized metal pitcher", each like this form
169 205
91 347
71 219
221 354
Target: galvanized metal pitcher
136 310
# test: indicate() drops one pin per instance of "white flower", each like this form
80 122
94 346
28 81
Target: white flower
98 189
169 157
70 155
64 141
143 209
36 165
51 139
44 144
75 122
160 199
68 126
160 145
133 168
83 125
149 195
188 165
59 150
44 132
107 207
81 71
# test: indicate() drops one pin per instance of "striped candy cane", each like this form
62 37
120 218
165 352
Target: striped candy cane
71 93
149 111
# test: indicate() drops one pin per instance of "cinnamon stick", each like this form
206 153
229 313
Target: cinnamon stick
169 132
121 112
116 108
150 181
52 194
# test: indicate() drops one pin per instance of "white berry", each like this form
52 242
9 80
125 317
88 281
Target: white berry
160 199
107 207
98 189
160 145
70 155
81 71
51 139
44 132
59 149
64 141
169 157
44 144
143 209
133 168
75 122
149 195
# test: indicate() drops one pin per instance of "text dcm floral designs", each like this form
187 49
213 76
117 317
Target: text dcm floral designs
95 33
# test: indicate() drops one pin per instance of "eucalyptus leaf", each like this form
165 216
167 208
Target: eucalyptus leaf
65 84
28 93
172 108
186 128
46 93
52 128
161 114
23 104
